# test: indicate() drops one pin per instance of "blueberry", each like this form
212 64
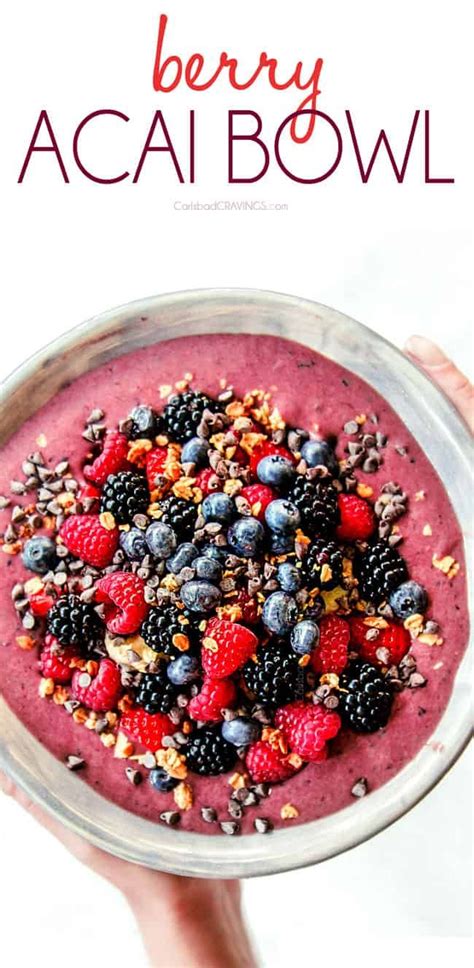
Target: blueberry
212 551
183 670
162 781
208 568
161 539
280 612
241 731
183 557
145 422
304 636
200 596
289 577
246 537
319 452
408 599
133 543
195 451
218 507
283 516
281 544
276 471
39 555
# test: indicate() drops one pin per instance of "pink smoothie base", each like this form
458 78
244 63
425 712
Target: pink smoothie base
312 392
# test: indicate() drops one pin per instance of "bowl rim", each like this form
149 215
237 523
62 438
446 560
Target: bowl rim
209 855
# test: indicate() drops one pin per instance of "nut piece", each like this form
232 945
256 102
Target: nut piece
289 812
448 565
123 747
183 796
173 762
46 688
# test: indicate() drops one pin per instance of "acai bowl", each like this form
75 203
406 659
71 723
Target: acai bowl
261 364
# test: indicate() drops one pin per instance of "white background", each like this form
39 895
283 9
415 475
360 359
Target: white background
394 256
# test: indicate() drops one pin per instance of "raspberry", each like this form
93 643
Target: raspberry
40 603
266 449
55 661
112 459
235 644
307 729
248 605
208 753
89 492
259 496
155 465
357 518
123 596
102 691
208 481
268 765
394 638
215 695
145 728
331 653
86 538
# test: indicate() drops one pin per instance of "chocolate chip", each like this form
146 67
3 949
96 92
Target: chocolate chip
360 787
170 817
263 825
235 810
208 814
133 776
74 762
229 827
71 705
416 680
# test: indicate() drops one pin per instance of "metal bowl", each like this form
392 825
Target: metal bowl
444 438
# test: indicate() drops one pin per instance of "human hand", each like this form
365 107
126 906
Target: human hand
185 922
444 372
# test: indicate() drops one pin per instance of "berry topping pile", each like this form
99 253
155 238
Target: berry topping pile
219 595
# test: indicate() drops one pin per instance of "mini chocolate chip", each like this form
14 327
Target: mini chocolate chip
208 814
360 788
133 776
263 825
229 827
235 810
74 762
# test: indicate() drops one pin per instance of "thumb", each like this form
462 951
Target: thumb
444 372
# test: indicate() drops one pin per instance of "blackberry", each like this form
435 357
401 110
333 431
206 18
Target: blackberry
124 495
208 753
183 414
144 423
366 697
321 553
161 625
156 693
317 503
380 570
72 622
180 515
275 678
